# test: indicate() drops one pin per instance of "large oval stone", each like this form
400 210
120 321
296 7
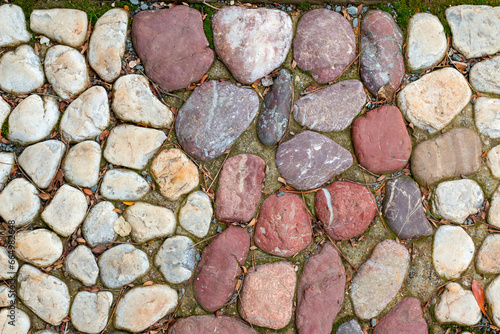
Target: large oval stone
452 252
208 324
63 25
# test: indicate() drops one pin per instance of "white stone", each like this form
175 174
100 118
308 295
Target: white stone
41 161
452 252
12 26
196 214
66 210
4 110
65 26
487 116
175 259
149 221
492 295
123 185
133 101
435 99
19 202
21 322
21 71
487 259
47 296
132 146
47 331
122 265
485 76
457 306
66 71
494 211
98 226
81 166
90 311
107 44
493 161
7 163
6 296
426 44
39 247
8 264
81 264
142 306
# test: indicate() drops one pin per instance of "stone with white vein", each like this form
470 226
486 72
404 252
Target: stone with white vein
90 311
8 264
42 160
12 26
149 221
453 251
196 214
485 76
21 71
21 324
123 185
81 166
98 225
175 259
39 247
122 265
81 264
458 306
487 116
63 25
19 202
7 163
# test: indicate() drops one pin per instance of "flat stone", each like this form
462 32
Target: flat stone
6 298
142 306
8 264
62 25
122 265
475 29
155 32
149 221
21 71
33 119
12 27
196 214
388 263
98 225
381 141
87 116
457 306
251 42
403 209
332 108
487 116
66 71
90 311
284 225
42 160
310 159
47 296
107 44
240 188
81 166
493 299
133 101
7 163
493 212
324 44
487 260
222 110
321 292
485 76
345 209
132 146
174 173
206 324
21 324
19 202
39 247
427 44
381 61
350 327
175 259
452 154
457 200
405 318
227 251
81 264
123 185
453 251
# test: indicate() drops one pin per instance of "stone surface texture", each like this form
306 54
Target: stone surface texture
205 324
39 247
90 311
122 265
21 71
12 26
350 327
457 306
405 318
485 76
453 251
19 202
196 214
81 165
7 163
123 185
176 259
62 25
492 294
8 265
149 221
487 116
42 160
20 326
493 212
487 260
98 225
81 264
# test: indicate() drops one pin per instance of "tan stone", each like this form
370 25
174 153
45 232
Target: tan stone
487 116
458 306
487 259
63 25
40 247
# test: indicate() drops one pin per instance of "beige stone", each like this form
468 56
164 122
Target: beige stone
81 166
19 202
453 250
90 311
487 116
39 247
21 71
492 294
8 264
493 161
458 306
149 221
487 259
494 211
122 227
63 25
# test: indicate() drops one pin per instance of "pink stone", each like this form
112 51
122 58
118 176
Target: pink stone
209 324
405 318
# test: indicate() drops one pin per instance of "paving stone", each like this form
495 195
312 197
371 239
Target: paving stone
39 247
42 160
47 296
405 318
62 25
66 71
154 33
487 116
205 324
8 264
457 306
122 265
6 298
176 259
19 202
388 263
493 212
21 71
196 214
4 110
142 306
456 200
223 111
107 44
133 101
149 221
332 108
7 163
487 260
485 76
81 166
90 311
492 294
81 264
87 116
240 188
12 26
324 44
453 251
475 29
310 159
251 42
345 209
123 185
350 327
98 225
21 324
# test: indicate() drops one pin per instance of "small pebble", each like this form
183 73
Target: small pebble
134 2
355 22
456 57
353 11
328 7
338 8
144 7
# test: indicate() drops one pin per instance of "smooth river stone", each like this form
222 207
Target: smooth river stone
310 159
487 260
62 25
324 44
487 116
458 306
454 153
381 61
405 318
213 117
42 160
123 185
19 202
493 299
21 71
251 42
208 324
332 108
12 26
452 252
485 76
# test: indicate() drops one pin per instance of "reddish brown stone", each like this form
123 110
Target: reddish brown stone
345 209
284 225
240 187
219 267
381 141
405 318
209 324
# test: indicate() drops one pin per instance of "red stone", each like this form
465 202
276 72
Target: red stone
405 318
209 324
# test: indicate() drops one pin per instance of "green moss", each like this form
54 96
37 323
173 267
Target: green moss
5 128
207 22
304 6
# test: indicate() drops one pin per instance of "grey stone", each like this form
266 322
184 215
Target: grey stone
90 311
487 116
175 259
81 166
81 264
39 247
122 265
63 25
350 327
42 160
12 26
149 221
4 110
21 71
485 76
493 160
457 306
98 225
21 323
7 163
453 251
196 214
494 211
8 264
123 185
19 202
